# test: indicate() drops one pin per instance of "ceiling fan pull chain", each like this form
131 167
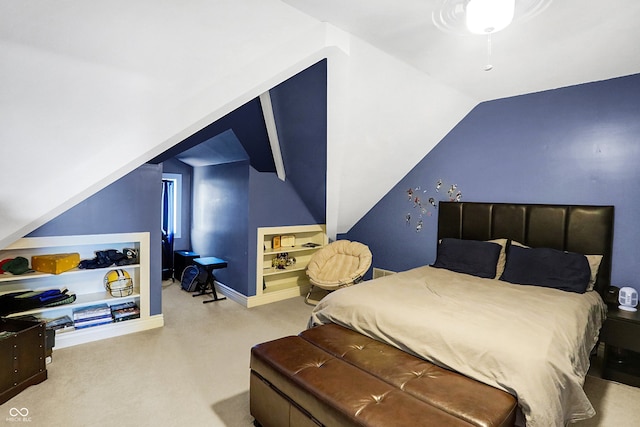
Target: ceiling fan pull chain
488 67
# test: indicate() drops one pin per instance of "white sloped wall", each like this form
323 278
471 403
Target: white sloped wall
384 117
92 91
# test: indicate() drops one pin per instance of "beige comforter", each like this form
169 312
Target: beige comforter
532 342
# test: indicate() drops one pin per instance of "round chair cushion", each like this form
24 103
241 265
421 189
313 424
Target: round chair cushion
339 264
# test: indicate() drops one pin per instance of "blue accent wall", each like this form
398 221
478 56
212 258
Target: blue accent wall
131 204
230 201
300 111
220 219
574 145
272 203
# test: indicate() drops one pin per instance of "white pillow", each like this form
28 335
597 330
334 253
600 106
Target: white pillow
502 258
594 265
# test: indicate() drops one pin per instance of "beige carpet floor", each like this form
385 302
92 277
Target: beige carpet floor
194 372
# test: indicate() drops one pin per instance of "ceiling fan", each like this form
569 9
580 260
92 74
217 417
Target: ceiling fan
484 17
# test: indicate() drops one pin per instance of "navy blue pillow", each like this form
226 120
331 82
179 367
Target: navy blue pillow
468 256
551 268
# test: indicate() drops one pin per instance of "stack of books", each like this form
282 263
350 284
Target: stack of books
94 315
60 324
125 311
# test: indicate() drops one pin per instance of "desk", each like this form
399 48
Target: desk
209 264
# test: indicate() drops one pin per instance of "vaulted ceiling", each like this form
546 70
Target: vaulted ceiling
567 42
91 90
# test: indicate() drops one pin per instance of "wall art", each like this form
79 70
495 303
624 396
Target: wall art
425 203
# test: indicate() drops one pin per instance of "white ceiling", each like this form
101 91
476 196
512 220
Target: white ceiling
114 84
569 42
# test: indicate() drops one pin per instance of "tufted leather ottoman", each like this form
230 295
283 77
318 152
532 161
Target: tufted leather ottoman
333 376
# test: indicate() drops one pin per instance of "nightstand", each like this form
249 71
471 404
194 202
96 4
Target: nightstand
621 336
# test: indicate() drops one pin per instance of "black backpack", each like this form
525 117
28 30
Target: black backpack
192 278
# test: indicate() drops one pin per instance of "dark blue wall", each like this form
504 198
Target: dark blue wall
272 203
220 219
131 204
575 145
300 110
247 123
230 201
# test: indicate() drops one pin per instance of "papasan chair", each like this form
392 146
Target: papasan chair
339 264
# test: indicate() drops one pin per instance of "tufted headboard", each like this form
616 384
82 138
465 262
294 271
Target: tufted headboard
575 228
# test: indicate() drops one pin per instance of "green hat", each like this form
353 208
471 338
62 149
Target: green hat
18 265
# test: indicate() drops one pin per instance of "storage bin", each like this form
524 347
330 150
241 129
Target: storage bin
22 356
55 263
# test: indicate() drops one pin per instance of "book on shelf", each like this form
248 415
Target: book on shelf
311 245
58 323
120 306
96 317
94 322
92 319
92 311
126 311
130 316
93 315
133 313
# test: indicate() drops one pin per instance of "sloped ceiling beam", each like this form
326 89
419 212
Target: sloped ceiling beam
272 132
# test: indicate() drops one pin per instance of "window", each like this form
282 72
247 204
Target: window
172 203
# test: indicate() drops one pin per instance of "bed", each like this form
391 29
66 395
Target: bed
533 341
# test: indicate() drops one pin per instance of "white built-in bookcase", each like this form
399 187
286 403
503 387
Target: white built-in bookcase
273 284
87 284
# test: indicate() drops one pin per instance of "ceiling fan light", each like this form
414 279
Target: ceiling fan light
489 16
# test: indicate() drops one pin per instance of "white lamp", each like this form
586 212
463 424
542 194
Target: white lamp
628 299
489 16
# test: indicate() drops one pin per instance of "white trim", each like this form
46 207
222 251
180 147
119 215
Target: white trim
96 333
232 294
269 297
83 239
82 282
256 300
272 132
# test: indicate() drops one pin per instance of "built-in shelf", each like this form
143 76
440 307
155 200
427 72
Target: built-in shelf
274 284
86 284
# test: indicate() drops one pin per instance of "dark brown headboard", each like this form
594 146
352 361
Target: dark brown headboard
583 229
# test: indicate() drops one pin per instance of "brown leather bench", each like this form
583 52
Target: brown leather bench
333 376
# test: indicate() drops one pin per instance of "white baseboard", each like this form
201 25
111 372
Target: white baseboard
81 336
232 294
265 298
